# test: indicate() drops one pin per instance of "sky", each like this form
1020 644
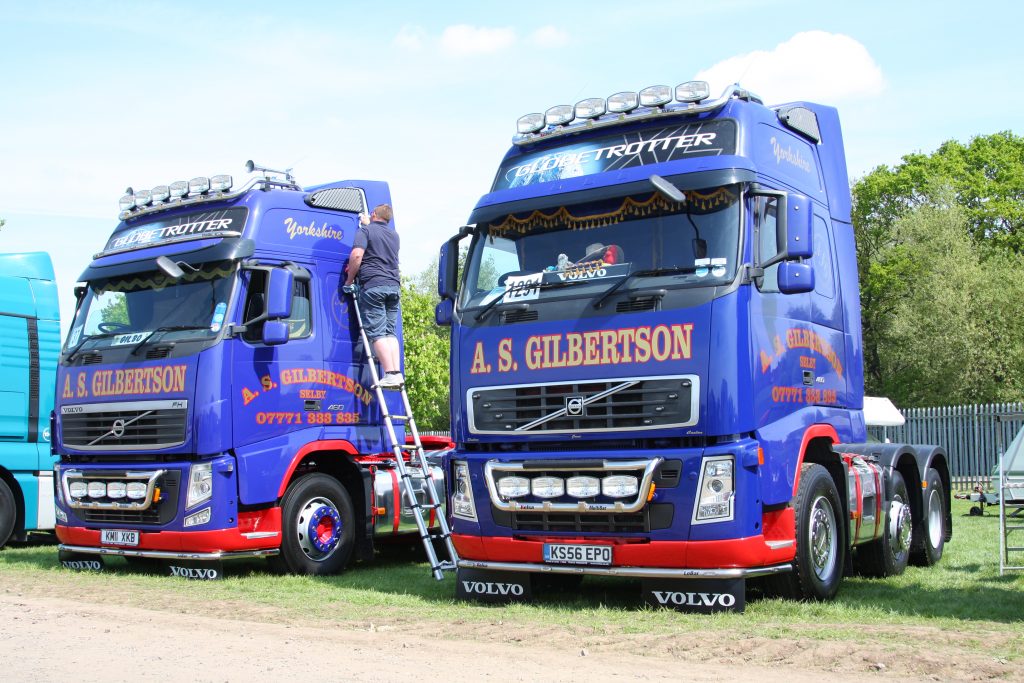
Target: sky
98 96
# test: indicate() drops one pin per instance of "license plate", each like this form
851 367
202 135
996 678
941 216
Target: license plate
119 537
573 553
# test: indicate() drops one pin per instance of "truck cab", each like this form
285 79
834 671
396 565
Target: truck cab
213 398
656 333
29 343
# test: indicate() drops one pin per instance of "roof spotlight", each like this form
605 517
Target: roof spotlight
559 115
655 96
530 123
622 102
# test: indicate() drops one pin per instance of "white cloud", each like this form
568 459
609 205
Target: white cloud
549 36
813 65
462 40
410 38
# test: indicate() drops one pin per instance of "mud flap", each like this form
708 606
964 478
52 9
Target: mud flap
80 562
197 571
703 596
488 586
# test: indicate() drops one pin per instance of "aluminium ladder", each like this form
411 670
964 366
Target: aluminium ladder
417 459
1011 518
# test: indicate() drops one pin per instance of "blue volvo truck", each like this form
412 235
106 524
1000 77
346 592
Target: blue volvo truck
213 397
657 363
29 346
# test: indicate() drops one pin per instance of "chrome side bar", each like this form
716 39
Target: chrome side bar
168 554
640 572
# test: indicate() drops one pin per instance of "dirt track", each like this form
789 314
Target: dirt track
52 639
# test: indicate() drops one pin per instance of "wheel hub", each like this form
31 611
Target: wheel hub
821 535
900 526
934 518
318 528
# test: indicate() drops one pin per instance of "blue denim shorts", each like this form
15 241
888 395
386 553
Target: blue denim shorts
379 307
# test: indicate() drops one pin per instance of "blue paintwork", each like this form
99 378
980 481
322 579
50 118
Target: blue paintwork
27 293
232 385
747 344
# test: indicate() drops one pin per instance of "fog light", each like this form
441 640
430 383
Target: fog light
513 487
78 489
136 490
97 489
201 517
620 486
583 487
117 490
548 487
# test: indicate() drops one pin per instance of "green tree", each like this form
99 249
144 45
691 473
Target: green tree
426 358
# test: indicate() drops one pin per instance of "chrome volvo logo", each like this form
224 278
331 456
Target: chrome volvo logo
574 406
117 430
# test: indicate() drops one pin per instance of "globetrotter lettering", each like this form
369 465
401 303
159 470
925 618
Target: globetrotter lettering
659 343
145 236
162 379
331 232
694 599
490 588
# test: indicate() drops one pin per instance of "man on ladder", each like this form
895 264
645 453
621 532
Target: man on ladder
374 260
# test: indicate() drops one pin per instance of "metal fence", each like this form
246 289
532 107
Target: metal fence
973 436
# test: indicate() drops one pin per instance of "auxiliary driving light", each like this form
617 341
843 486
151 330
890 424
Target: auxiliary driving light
220 183
559 115
127 202
198 185
693 91
97 489
620 486
117 490
622 102
548 487
590 108
160 193
143 198
655 96
583 487
179 188
513 487
78 489
136 490
530 123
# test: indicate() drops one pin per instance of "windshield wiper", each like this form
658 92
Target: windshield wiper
653 272
103 335
539 285
165 328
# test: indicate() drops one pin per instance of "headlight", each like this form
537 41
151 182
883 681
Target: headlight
462 493
97 489
513 487
716 490
62 516
78 489
200 484
620 486
117 490
583 487
548 487
136 490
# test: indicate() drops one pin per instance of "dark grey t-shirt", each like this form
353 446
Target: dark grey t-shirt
380 259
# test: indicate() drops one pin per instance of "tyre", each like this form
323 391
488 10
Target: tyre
888 556
318 527
930 531
820 547
8 512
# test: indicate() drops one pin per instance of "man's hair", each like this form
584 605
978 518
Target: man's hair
383 212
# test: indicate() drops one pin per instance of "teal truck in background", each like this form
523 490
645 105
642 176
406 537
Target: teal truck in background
29 346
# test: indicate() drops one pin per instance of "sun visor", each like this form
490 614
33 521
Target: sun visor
223 250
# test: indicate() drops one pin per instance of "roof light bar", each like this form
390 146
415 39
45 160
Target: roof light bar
655 96
590 108
622 102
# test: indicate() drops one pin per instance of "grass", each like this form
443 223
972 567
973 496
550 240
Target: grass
963 599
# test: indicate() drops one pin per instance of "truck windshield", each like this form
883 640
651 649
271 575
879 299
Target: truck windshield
666 244
128 309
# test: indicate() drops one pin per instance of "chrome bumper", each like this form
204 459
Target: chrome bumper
167 554
639 572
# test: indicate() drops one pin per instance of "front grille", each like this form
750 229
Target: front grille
150 516
608 405
651 518
112 426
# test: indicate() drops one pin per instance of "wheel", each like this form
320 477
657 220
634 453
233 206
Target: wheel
888 555
820 550
318 527
975 511
930 531
8 513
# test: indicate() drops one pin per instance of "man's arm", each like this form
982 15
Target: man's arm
355 260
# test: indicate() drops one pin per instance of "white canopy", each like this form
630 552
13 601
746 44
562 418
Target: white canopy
880 412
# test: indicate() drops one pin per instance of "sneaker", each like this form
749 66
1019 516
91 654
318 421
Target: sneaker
391 382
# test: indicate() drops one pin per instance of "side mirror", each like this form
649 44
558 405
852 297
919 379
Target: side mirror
795 278
275 332
279 294
443 312
797 227
447 265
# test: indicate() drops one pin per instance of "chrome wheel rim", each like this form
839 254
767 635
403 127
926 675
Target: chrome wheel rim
318 528
821 538
934 518
901 527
